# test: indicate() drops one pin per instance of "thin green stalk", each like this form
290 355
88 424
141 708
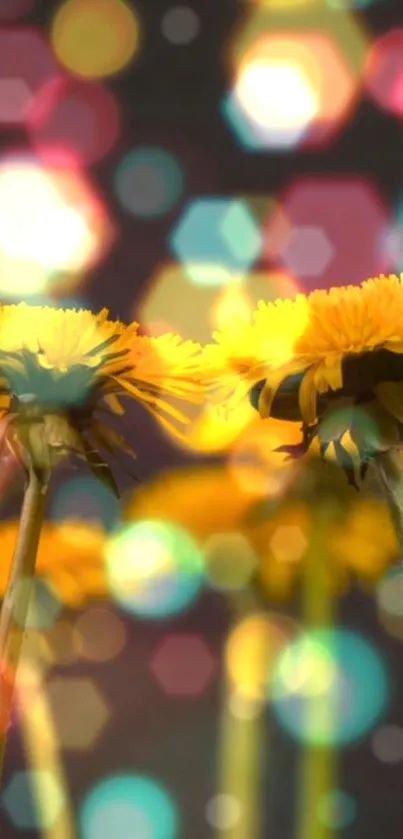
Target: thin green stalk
15 606
317 761
388 468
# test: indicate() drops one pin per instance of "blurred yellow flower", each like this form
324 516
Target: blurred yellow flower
70 560
357 539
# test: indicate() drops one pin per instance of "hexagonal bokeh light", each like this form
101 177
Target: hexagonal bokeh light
18 800
129 805
53 226
384 71
290 89
155 568
183 665
81 117
216 237
26 65
79 711
348 220
330 686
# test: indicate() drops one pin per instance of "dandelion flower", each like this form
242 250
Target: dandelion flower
343 378
62 376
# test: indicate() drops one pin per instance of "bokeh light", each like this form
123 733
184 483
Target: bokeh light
129 805
337 809
26 65
180 25
389 595
155 569
99 635
95 38
84 498
149 181
230 561
387 744
290 89
183 664
214 238
79 711
384 72
344 672
52 226
256 467
78 116
19 802
256 641
346 220
223 811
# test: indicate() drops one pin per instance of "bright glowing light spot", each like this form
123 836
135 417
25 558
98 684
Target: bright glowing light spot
278 97
129 805
43 228
230 560
251 652
180 25
223 811
350 687
155 569
306 668
390 593
95 38
149 181
387 744
337 809
288 543
19 800
99 635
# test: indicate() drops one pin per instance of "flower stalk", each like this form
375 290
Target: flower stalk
388 468
15 606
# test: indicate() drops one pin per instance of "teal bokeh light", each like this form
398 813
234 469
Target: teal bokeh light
85 499
129 806
218 234
329 687
155 569
337 809
149 181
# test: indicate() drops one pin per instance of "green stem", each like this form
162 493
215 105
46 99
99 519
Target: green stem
388 468
15 606
317 761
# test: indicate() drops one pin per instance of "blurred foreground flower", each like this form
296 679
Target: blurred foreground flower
62 374
69 560
270 541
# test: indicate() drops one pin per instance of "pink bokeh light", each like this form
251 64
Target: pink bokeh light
349 213
80 117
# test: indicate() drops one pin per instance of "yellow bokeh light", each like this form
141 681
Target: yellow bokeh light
95 38
277 94
251 652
